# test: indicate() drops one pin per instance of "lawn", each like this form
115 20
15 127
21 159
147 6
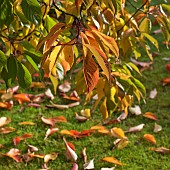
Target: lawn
135 156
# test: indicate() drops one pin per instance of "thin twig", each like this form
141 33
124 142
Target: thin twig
138 9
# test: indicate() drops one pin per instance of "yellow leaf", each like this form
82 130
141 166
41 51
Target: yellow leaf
118 132
112 160
54 81
103 110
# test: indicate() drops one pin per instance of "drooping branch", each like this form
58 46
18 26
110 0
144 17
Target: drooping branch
137 9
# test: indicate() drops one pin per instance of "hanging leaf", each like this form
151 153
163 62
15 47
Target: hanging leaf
24 76
32 11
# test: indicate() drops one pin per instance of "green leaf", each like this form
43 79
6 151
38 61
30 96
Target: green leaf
24 76
151 39
32 11
31 61
6 15
12 68
4 75
3 59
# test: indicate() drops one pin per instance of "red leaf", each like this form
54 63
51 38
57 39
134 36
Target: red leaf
168 67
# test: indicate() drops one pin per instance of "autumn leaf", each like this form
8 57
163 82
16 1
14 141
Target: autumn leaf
89 165
153 93
80 118
38 85
75 166
7 130
17 140
49 94
26 123
4 121
52 121
84 155
70 153
136 128
112 160
150 138
166 81
21 98
51 156
150 115
117 132
65 87
162 150
135 110
14 154
157 128
6 105
86 113
50 132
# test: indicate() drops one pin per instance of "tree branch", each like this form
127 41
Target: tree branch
138 9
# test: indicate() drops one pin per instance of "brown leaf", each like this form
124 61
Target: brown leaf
65 87
112 160
7 130
73 96
6 105
91 72
14 154
150 138
4 121
84 155
59 106
50 132
7 96
18 139
136 128
80 118
157 128
161 150
150 115
52 121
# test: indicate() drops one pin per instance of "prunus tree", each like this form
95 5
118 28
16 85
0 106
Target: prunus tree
53 37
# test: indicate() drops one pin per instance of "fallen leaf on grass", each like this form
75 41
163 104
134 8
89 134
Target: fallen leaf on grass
49 94
34 105
73 104
4 121
32 149
14 154
150 115
75 166
52 121
117 132
73 96
157 128
135 110
86 113
70 151
112 160
84 155
98 127
136 128
26 123
58 106
161 150
150 138
65 87
21 98
89 165
6 105
108 168
50 132
167 67
7 96
121 143
7 130
51 156
17 140
166 81
80 118
122 116
153 93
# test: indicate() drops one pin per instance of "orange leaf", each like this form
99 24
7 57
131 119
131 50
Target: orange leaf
66 132
26 123
112 160
14 154
150 138
150 115
6 105
91 72
166 81
21 98
98 127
